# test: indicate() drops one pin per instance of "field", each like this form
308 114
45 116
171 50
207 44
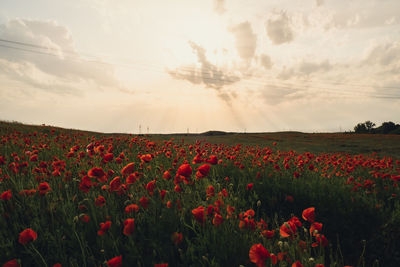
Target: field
76 198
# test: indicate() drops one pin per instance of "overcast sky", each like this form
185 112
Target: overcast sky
260 65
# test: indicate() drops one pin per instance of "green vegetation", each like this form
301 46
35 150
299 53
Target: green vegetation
388 127
212 200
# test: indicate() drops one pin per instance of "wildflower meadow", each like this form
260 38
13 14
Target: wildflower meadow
74 198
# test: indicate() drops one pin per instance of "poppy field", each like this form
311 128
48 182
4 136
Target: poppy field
75 198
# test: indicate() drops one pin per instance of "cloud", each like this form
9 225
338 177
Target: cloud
305 68
383 61
279 29
319 2
245 39
383 54
265 61
28 74
219 6
274 94
286 73
208 74
46 52
375 14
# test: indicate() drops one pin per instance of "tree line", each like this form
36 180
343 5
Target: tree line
388 127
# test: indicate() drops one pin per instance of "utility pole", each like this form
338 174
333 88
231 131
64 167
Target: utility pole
140 129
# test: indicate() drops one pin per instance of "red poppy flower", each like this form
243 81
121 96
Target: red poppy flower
224 192
84 218
185 170
177 238
199 214
210 191
217 219
162 194
108 157
289 199
315 228
146 158
34 158
210 210
302 245
144 202
132 178
287 229
167 175
229 210
274 259
12 263
258 255
2 160
249 186
309 214
128 169
296 221
297 264
115 262
320 240
100 201
249 213
161 265
27 236
150 187
104 227
44 188
97 173
268 234
178 189
281 255
6 195
85 184
27 192
129 226
115 184
131 208
212 160
204 169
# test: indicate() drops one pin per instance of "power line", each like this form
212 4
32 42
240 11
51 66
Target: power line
214 81
28 50
188 68
26 44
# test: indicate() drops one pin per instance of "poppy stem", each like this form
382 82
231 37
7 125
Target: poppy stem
40 255
82 249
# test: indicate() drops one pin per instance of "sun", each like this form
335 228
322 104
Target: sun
207 29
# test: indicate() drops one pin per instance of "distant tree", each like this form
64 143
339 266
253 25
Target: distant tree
397 130
386 127
369 125
360 128
366 127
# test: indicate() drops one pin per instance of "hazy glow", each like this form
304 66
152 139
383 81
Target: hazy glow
227 65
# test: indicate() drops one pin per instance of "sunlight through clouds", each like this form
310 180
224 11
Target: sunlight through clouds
177 64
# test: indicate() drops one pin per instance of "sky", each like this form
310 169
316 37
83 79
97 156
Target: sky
192 66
